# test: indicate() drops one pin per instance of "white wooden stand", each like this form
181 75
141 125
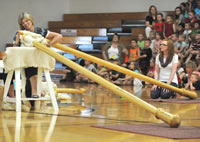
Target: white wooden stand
19 73
18 58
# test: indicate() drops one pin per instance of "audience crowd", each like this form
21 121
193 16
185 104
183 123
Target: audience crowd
149 53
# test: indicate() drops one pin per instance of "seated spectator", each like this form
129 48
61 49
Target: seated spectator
80 61
174 38
187 32
115 50
128 80
189 68
122 76
102 71
113 74
179 18
196 28
181 47
152 39
146 54
192 4
180 74
140 41
184 9
158 26
157 42
169 27
191 17
165 70
82 78
197 10
148 29
180 29
70 75
194 49
151 68
194 82
134 51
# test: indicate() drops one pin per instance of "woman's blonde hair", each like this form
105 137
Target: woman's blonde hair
26 16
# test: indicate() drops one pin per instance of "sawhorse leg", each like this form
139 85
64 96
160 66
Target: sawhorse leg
51 90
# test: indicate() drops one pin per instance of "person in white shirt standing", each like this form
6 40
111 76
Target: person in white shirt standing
115 50
165 70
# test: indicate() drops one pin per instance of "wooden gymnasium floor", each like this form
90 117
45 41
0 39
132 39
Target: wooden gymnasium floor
96 106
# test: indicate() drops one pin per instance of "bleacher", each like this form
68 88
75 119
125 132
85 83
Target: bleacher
90 31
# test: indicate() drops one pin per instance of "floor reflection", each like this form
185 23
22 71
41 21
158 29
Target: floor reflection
17 126
97 106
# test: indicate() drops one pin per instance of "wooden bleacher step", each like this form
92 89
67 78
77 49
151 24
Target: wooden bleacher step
84 32
77 40
133 23
84 24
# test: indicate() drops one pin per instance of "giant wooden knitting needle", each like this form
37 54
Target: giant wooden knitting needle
183 92
172 120
70 90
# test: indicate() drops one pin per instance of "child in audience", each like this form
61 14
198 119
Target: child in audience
145 56
190 67
182 46
158 26
102 71
180 74
184 9
140 41
196 28
91 67
152 39
174 38
70 75
179 18
187 32
114 75
169 27
197 10
180 29
194 82
80 61
194 49
134 51
191 17
148 29
192 4
128 80
157 42
151 69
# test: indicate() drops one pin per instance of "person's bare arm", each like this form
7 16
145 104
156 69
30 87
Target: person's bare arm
104 55
174 28
192 88
16 42
156 75
54 37
174 69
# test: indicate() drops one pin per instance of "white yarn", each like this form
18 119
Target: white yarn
27 38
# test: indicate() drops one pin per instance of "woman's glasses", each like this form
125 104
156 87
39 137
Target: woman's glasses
162 44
